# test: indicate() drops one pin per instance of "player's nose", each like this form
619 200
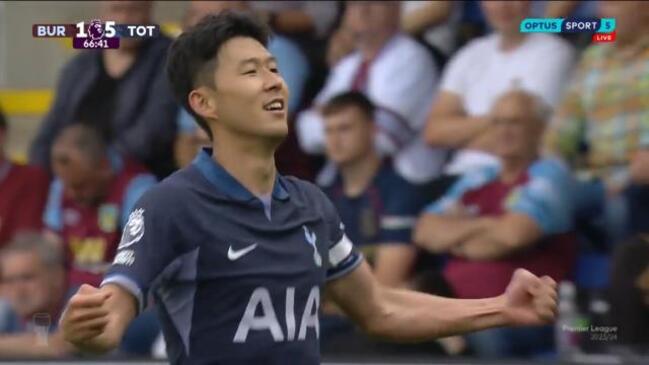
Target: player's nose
273 81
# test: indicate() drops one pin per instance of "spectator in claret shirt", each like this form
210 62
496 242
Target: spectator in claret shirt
23 192
90 200
495 219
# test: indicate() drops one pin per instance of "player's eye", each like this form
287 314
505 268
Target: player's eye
250 72
274 70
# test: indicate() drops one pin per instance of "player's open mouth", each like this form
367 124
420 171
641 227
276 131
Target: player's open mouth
275 105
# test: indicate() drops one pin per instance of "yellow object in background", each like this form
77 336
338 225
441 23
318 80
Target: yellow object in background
33 102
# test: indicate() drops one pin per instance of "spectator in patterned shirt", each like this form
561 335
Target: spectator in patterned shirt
495 219
602 126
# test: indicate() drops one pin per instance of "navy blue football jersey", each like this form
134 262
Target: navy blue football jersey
237 278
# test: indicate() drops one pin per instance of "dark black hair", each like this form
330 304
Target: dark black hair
3 121
192 56
350 99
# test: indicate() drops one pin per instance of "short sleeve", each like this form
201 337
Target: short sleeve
467 182
454 77
546 197
403 97
147 246
342 256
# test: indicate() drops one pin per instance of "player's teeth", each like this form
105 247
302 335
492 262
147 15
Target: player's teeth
277 105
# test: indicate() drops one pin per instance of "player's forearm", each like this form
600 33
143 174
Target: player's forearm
453 131
438 234
412 317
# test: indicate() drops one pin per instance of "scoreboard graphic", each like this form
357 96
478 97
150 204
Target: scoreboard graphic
95 34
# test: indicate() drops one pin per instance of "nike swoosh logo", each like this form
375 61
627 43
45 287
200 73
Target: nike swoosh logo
237 254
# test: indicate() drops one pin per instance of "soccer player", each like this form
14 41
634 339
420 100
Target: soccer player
236 255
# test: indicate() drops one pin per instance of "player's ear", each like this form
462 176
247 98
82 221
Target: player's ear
203 101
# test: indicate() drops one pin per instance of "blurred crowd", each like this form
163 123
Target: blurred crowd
455 148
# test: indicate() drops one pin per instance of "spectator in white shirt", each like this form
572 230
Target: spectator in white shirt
398 75
488 67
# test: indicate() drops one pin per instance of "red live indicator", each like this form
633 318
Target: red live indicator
603 37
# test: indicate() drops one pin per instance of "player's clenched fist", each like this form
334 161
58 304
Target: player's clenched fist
86 318
530 300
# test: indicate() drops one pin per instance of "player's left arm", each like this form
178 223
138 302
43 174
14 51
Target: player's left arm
408 316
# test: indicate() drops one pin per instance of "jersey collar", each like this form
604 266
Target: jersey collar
222 180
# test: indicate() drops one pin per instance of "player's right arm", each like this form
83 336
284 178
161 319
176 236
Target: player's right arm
95 318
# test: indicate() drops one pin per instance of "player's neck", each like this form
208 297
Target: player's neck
357 175
250 162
